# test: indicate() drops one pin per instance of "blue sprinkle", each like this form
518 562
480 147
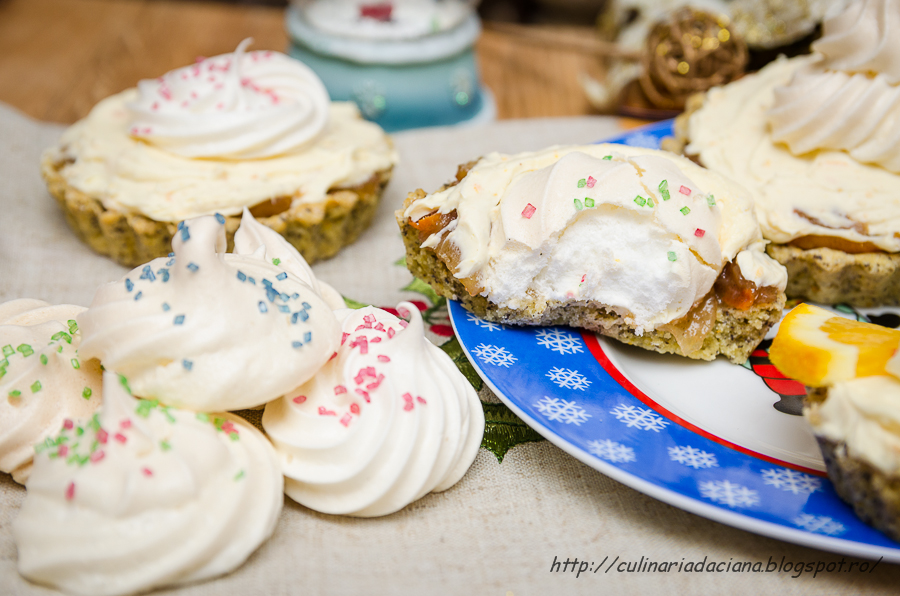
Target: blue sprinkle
166 307
285 297
179 319
281 276
266 283
283 308
193 266
164 273
296 344
171 254
295 296
180 225
262 307
185 234
300 314
147 273
187 364
307 337
271 294
242 276
138 296
306 306
128 285
220 218
170 262
251 280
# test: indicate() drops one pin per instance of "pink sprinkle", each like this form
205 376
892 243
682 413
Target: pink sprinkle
375 340
102 436
420 399
699 233
391 332
194 94
324 412
361 326
212 78
299 399
379 327
685 190
374 385
369 319
591 182
570 294
70 491
147 472
582 277
345 419
338 389
68 424
407 397
155 105
120 437
333 356
354 408
364 394
97 456
228 427
146 131
185 104
404 323
164 91
409 406
528 211
125 423
62 451
362 343
403 313
384 358
344 338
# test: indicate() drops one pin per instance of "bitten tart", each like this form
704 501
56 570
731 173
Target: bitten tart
816 140
248 129
637 244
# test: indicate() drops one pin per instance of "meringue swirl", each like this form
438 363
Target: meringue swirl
385 422
143 495
863 38
233 106
205 330
42 378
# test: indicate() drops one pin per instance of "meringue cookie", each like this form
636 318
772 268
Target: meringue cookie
143 495
205 330
385 422
234 106
42 378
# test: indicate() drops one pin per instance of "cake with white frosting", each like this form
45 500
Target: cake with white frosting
248 129
816 140
637 244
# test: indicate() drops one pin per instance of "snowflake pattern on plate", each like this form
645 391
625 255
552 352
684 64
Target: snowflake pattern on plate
568 379
559 340
692 457
562 410
791 480
728 493
490 326
495 355
821 524
611 451
636 417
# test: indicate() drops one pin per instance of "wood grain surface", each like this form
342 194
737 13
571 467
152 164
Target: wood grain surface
60 57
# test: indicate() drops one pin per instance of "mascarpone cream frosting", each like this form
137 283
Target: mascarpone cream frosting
43 380
642 231
823 192
236 106
206 330
143 495
385 422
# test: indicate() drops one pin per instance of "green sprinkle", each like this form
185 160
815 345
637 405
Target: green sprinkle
202 417
578 205
8 350
2 372
62 335
15 393
25 349
36 386
95 423
144 408
75 363
672 256
73 326
588 202
711 201
79 431
276 261
608 157
234 436
641 201
59 350
685 210
664 190
239 475
43 359
86 394
164 445
650 202
124 383
581 183
4 363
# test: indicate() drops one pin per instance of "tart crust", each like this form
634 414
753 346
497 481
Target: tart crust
317 230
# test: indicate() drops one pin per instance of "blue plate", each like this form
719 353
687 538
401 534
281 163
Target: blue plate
716 439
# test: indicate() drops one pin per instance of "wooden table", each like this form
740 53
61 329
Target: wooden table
60 57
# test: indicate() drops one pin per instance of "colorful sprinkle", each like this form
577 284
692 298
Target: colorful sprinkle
202 417
70 491
164 273
384 358
179 320
578 205
699 233
276 261
582 183
86 394
345 419
591 182
147 273
75 364
138 296
354 408
588 202
641 201
299 399
685 190
43 359
15 393
608 157
25 349
672 256
166 307
102 436
36 386
8 350
62 335
262 307
239 475
241 276
650 202
296 344
339 389
193 267
323 411
664 190
187 364
165 445
711 201
97 456
685 210
120 437
307 337
528 211
281 276
129 285
220 218
185 234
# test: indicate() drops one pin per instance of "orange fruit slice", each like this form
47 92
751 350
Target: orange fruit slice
819 348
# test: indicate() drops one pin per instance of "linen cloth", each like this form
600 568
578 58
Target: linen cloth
499 529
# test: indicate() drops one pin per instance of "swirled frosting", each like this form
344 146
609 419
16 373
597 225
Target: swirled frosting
143 495
206 330
823 192
849 99
642 231
235 106
385 422
43 380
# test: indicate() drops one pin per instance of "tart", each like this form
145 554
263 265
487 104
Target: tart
638 244
248 129
816 140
